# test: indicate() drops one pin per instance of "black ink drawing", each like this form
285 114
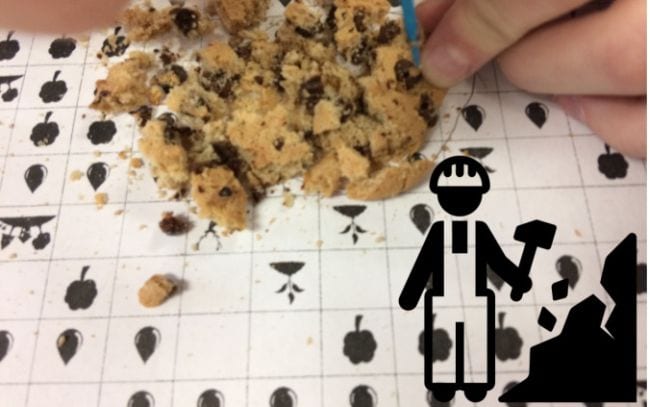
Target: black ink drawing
45 133
68 344
283 397
25 225
560 289
441 343
612 165
433 402
210 231
146 342
211 398
101 132
352 211
479 153
9 47
422 217
641 278
363 396
54 90
507 388
359 346
34 176
546 319
81 293
289 269
62 47
97 174
115 45
6 342
537 113
11 93
569 267
507 341
494 278
141 399
474 115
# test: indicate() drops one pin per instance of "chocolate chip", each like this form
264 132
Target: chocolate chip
311 92
225 192
416 157
363 54
167 56
278 144
407 73
427 110
179 72
363 150
330 21
186 20
243 48
229 156
220 83
174 225
303 32
347 112
388 32
143 115
359 20
259 80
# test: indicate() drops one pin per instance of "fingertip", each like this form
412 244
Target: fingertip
430 12
444 65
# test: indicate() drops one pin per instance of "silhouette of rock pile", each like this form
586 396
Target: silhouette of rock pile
584 363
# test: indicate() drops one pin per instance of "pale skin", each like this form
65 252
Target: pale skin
593 65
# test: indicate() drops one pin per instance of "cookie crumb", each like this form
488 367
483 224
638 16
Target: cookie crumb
288 199
156 291
13 256
76 175
136 163
119 212
380 239
319 244
101 199
174 225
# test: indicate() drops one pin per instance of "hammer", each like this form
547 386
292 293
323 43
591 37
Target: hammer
535 234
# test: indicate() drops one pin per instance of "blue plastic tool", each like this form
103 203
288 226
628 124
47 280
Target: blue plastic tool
411 25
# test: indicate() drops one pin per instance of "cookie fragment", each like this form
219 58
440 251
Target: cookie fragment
236 15
155 291
174 225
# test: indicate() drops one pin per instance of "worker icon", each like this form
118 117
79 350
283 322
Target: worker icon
454 261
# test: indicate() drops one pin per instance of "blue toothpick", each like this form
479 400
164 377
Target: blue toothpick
411 25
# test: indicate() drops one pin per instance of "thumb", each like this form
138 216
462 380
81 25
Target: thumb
472 32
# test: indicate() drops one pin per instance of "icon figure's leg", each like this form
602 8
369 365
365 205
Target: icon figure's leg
477 334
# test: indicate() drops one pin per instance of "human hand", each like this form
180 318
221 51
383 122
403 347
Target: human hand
594 64
58 16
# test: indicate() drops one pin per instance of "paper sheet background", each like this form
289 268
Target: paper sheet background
229 330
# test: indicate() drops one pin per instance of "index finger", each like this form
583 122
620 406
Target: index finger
472 32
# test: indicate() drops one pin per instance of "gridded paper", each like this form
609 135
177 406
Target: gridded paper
269 316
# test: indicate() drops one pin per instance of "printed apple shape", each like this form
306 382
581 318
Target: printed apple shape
81 293
54 90
34 176
101 132
45 133
570 268
474 115
6 342
9 47
41 241
210 398
441 346
612 165
433 402
62 47
68 344
146 342
283 397
537 113
11 93
97 174
359 346
141 399
363 396
507 342
422 217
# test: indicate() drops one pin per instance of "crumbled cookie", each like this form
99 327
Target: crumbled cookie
125 88
256 111
145 23
101 199
236 15
156 290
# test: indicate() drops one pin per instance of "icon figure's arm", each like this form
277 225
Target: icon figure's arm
430 262
492 255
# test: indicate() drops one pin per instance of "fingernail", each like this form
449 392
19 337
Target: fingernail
572 106
445 65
